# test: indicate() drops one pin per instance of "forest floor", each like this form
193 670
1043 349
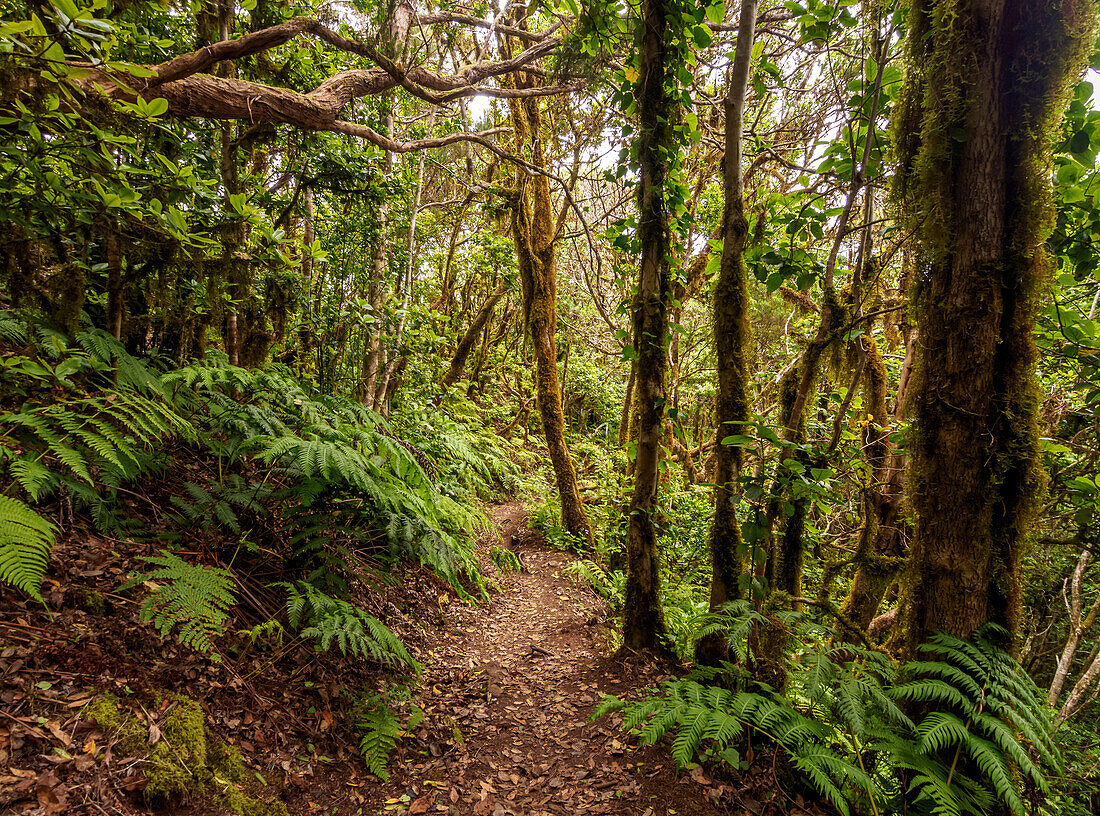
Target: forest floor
516 679
506 694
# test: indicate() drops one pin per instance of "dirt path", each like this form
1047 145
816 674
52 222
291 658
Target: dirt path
507 696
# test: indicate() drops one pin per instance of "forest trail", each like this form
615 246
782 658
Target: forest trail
507 695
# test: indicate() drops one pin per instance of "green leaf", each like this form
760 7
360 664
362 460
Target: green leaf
157 107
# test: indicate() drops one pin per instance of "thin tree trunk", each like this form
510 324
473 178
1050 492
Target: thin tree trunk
643 616
624 419
1079 623
466 344
404 285
731 342
533 230
393 45
114 284
1076 699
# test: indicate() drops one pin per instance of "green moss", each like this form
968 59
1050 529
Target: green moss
225 761
105 713
94 603
178 760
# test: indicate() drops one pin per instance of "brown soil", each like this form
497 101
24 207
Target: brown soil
514 683
507 692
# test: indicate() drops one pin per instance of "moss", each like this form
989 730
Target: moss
128 736
94 603
225 761
178 760
105 713
186 759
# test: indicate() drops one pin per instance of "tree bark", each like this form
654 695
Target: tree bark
643 616
731 345
466 344
985 92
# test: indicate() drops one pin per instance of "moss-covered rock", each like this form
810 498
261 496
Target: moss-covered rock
184 759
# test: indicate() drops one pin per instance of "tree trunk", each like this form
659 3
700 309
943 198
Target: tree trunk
986 88
1079 623
404 286
114 284
731 345
1076 699
533 231
466 344
643 617
624 418
393 46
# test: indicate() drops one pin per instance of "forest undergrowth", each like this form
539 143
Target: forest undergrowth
238 595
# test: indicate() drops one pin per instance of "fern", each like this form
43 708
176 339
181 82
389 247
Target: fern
981 703
380 730
192 597
841 726
332 621
25 543
610 585
505 560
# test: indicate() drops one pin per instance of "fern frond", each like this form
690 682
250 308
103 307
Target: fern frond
380 729
194 598
25 543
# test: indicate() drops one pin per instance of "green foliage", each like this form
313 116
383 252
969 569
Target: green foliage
345 483
331 621
610 585
62 437
982 731
213 504
380 730
195 598
986 719
505 560
25 542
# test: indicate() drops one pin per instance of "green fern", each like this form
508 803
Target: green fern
984 714
333 621
610 585
194 598
842 725
25 543
380 730
505 560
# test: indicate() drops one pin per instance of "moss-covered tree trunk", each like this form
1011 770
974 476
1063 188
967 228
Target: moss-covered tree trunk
882 542
643 618
114 283
731 346
534 232
986 87
366 390
466 344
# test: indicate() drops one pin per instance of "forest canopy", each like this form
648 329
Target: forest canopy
782 317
